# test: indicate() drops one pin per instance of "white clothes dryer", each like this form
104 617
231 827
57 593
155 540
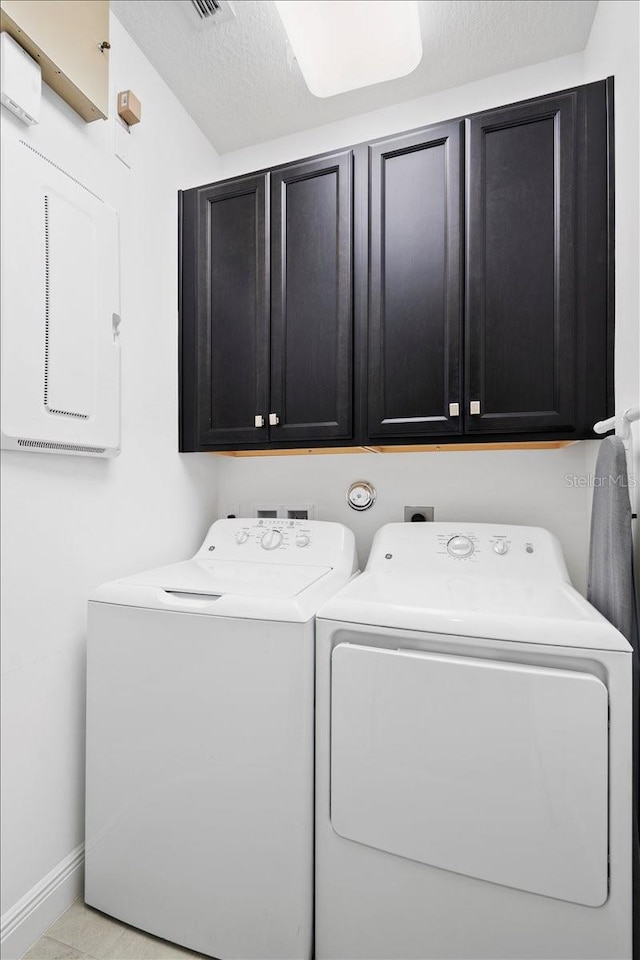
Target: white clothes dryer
200 707
473 755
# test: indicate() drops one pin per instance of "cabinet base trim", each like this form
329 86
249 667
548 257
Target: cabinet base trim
400 448
303 451
505 445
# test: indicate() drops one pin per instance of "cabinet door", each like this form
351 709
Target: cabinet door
520 324
415 284
311 300
227 297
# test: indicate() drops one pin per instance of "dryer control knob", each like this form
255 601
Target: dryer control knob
501 547
242 536
271 539
460 547
303 540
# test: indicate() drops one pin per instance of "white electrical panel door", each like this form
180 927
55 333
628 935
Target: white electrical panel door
490 769
60 310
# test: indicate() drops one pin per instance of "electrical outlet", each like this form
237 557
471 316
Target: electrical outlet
418 514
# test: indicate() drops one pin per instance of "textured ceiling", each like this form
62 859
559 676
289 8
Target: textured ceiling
234 79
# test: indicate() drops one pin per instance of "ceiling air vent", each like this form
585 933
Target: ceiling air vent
202 13
206 8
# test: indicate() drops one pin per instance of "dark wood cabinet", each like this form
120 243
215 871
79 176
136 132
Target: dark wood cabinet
521 248
266 308
225 298
311 300
415 279
449 285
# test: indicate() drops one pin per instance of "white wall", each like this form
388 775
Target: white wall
508 486
613 49
482 95
519 487
70 523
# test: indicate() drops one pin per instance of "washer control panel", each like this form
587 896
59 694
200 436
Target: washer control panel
271 533
477 548
272 539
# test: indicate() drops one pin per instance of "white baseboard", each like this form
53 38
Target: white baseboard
30 917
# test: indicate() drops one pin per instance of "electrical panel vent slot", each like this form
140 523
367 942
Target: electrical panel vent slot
60 447
44 157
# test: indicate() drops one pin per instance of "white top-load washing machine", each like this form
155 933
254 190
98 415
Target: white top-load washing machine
473 755
199 796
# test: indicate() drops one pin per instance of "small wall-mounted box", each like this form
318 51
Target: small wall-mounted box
20 80
129 107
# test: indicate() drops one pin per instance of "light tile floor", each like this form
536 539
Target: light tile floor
82 933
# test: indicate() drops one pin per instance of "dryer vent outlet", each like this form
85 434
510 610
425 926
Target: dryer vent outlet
418 514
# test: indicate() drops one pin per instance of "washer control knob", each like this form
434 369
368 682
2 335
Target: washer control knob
271 539
242 536
501 547
303 540
460 547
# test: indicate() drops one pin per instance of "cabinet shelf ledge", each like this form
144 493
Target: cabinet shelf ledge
403 448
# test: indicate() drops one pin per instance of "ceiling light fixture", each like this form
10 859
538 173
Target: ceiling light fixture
342 45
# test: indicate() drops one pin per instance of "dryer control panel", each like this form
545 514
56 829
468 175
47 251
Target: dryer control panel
479 549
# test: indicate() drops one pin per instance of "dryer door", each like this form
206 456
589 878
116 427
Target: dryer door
491 769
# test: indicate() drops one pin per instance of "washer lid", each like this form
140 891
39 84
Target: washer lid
219 577
234 589
530 611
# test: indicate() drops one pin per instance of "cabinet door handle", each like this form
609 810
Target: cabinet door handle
274 419
474 408
258 420
454 409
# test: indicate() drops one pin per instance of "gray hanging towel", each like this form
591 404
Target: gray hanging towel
610 587
611 590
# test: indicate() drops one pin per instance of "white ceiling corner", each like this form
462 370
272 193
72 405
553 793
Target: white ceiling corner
234 80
